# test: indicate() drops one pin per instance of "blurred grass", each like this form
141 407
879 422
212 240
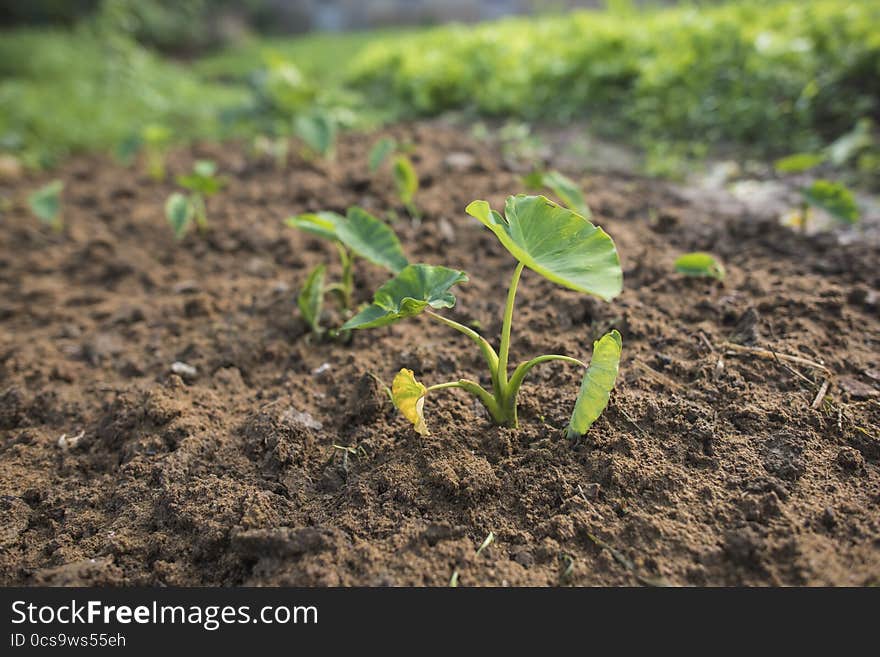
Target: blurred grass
774 77
325 56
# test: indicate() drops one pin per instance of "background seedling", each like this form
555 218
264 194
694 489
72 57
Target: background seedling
563 187
406 180
156 139
183 210
45 203
699 264
380 152
318 134
832 198
551 240
275 148
357 234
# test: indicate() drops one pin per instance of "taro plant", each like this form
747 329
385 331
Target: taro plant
563 188
700 265
406 180
357 234
834 199
45 203
551 240
182 210
318 134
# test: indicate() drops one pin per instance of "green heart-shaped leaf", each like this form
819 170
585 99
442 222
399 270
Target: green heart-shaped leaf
836 199
318 132
565 189
46 203
597 385
372 239
319 224
415 288
380 152
557 243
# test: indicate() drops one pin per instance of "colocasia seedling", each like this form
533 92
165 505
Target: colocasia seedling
357 234
45 203
834 199
552 241
699 265
273 147
156 139
406 180
184 210
563 187
317 132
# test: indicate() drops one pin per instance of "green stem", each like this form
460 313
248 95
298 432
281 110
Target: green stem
485 397
346 286
504 347
201 213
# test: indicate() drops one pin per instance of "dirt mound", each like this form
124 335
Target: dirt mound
209 440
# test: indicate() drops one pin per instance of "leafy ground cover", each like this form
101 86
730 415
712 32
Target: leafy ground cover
168 417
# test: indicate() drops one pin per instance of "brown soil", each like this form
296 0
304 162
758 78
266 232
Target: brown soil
710 466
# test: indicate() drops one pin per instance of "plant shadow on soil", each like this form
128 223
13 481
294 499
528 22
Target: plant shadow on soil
699 473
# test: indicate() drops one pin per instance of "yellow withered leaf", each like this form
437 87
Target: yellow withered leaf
409 397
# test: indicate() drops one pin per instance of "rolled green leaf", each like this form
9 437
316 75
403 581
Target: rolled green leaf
557 243
180 213
413 290
597 385
405 179
699 264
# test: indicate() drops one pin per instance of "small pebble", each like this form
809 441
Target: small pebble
184 370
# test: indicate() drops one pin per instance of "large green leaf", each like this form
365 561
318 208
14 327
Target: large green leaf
836 199
370 238
46 203
320 224
597 385
311 298
557 243
415 288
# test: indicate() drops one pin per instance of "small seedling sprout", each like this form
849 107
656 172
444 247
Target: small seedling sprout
699 264
552 241
318 134
563 187
184 210
45 203
357 234
406 180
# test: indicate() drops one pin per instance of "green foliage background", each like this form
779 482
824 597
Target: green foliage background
771 77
